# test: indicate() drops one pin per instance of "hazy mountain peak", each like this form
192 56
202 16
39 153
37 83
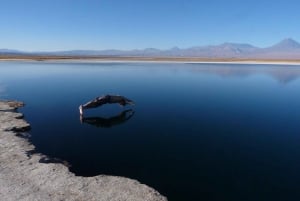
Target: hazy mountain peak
175 48
287 43
237 45
9 51
289 40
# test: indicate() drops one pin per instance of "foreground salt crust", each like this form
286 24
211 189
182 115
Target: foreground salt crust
23 177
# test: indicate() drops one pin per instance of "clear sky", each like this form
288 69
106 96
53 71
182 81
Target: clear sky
128 24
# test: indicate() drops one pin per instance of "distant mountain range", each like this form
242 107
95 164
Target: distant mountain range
286 49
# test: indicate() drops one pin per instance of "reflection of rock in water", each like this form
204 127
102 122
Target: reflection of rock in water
110 121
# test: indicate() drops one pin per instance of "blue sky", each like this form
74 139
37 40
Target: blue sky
128 24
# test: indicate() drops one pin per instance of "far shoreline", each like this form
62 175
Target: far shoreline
117 59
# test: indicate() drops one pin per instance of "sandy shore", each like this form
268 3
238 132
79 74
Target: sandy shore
24 177
70 59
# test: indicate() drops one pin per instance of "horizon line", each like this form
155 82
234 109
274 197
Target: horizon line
133 49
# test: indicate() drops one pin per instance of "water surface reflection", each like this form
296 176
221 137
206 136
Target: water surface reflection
108 122
282 73
199 131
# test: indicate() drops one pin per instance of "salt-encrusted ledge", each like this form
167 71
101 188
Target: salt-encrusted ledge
23 177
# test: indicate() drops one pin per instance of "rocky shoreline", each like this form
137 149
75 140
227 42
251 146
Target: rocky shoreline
23 177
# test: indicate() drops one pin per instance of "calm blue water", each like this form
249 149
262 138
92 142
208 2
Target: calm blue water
197 131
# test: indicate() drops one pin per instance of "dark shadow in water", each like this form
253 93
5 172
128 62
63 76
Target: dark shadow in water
110 121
